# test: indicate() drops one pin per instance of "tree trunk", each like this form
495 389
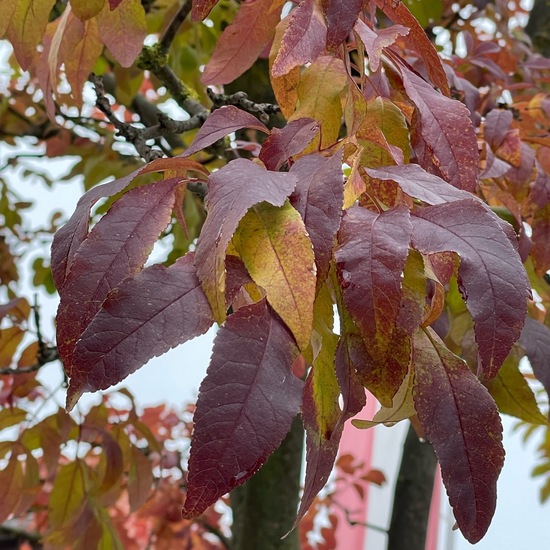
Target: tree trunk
413 494
265 507
538 27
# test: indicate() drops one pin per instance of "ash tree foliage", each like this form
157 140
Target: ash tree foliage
386 161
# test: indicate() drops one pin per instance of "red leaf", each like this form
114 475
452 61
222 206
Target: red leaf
145 316
341 16
232 190
201 8
287 142
243 41
113 4
221 123
251 362
535 340
304 39
462 423
319 196
491 276
447 131
116 248
370 259
418 41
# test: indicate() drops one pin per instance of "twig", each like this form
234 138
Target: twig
170 32
352 522
215 531
240 99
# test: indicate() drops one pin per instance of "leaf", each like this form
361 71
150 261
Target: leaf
243 41
370 259
27 26
321 416
376 40
319 196
304 39
535 340
513 395
145 316
113 4
275 248
418 41
251 362
283 144
285 88
10 338
123 30
221 123
401 408
17 309
341 16
7 8
11 485
70 487
140 479
418 183
232 190
86 9
447 130
201 8
319 96
462 423
68 239
79 50
491 276
11 416
116 248
540 252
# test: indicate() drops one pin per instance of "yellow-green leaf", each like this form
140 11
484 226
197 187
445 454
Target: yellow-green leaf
27 27
401 409
513 395
86 9
276 250
319 95
70 488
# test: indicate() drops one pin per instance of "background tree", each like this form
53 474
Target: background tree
341 162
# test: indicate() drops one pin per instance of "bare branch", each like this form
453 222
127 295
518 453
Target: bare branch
240 99
170 32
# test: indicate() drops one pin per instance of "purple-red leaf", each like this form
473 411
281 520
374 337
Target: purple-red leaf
116 248
370 259
491 276
243 41
304 39
376 40
447 131
341 16
246 404
319 196
418 183
67 240
201 8
535 340
143 317
462 423
232 190
221 123
287 142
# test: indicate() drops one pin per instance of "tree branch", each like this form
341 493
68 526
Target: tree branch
240 99
170 32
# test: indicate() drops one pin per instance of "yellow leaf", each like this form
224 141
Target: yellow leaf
123 30
86 9
27 27
276 250
319 95
7 7
10 339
